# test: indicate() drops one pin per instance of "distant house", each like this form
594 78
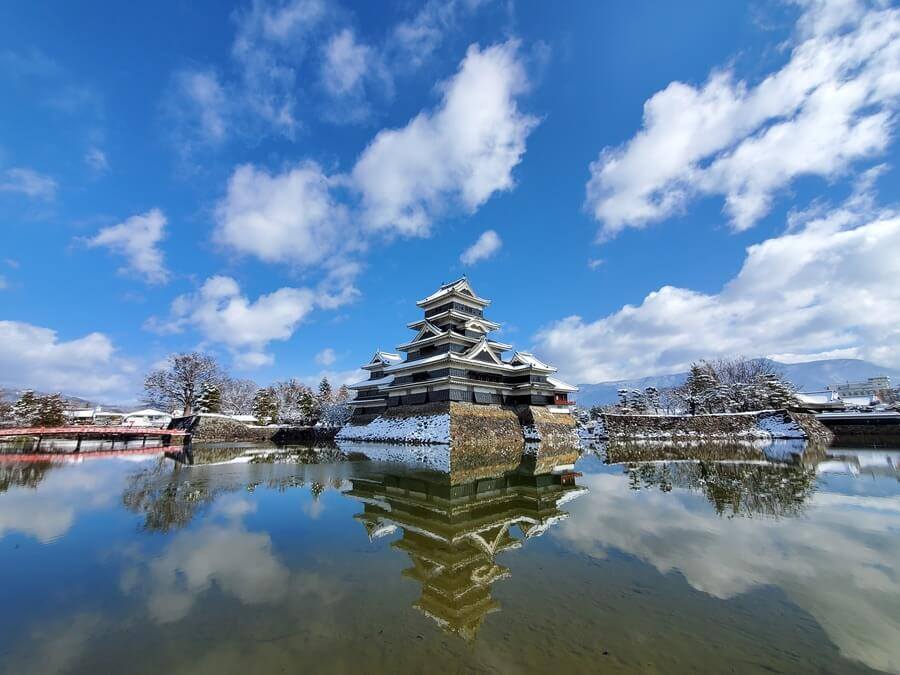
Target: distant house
147 417
93 416
831 401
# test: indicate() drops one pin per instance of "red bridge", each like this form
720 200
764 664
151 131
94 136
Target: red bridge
96 433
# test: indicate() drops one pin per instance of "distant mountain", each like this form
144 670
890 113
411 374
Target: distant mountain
809 376
12 395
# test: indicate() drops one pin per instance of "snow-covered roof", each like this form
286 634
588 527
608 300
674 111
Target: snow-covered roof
79 414
244 418
460 286
530 359
147 412
383 358
559 385
387 379
818 397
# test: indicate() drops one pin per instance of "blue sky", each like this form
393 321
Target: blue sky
635 185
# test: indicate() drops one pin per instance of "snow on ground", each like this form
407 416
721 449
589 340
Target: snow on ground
779 427
416 429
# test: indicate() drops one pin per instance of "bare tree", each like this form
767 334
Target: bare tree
179 384
237 396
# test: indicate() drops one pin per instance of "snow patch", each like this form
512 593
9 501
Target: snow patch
414 429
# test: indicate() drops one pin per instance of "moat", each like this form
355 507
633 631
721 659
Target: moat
634 558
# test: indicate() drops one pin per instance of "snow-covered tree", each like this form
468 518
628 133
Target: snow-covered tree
324 391
179 383
237 396
210 399
51 411
25 410
32 410
6 414
310 408
265 406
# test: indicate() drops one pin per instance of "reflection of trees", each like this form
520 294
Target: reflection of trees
166 495
453 532
171 495
22 474
738 489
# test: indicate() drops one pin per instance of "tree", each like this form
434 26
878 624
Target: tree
210 399
237 396
324 391
32 410
696 392
289 394
179 383
265 406
25 411
51 411
336 412
310 408
6 413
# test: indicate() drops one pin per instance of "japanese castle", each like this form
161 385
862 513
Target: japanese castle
453 358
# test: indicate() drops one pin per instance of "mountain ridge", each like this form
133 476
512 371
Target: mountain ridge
806 376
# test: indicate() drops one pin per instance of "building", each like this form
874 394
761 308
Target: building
148 417
453 357
869 387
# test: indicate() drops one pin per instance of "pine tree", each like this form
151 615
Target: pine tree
324 391
210 400
25 411
50 411
265 406
310 409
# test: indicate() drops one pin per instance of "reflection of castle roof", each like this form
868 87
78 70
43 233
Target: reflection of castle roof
452 534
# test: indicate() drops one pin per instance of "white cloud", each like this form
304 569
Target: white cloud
836 563
829 287
326 357
461 153
28 182
225 316
137 238
34 357
200 107
241 563
4 284
485 247
414 40
96 160
829 106
595 263
269 45
345 63
287 217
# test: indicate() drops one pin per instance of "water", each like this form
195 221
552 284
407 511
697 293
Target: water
648 561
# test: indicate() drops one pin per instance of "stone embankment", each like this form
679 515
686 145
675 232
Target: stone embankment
463 424
220 428
762 425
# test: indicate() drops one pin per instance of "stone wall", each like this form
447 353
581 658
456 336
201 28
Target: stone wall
539 424
778 424
484 440
208 428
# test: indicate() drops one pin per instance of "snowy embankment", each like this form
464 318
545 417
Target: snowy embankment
417 429
763 425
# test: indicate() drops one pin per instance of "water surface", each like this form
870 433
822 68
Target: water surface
644 559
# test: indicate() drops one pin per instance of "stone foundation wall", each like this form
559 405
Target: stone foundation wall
761 425
815 431
484 440
539 424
